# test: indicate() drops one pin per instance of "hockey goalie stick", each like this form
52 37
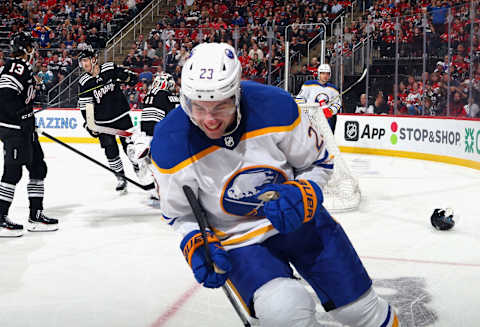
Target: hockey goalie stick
146 188
202 221
89 109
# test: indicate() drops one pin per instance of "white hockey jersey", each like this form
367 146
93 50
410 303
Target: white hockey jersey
314 92
273 143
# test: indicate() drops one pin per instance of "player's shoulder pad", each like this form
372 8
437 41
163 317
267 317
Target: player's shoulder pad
176 141
267 106
84 79
107 66
312 83
332 86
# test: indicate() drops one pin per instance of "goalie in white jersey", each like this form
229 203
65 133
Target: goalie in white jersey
324 93
231 142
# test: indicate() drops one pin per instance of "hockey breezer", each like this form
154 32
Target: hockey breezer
203 224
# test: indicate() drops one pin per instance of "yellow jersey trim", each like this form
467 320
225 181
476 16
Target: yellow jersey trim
248 236
203 153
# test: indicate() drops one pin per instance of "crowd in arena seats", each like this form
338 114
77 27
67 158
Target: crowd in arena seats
61 27
423 92
216 21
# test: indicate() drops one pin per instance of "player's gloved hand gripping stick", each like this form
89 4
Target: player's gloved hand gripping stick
291 204
209 263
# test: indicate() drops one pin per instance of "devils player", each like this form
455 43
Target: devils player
20 140
100 86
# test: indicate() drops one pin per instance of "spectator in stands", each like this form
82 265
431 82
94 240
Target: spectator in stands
170 61
380 107
362 107
414 100
130 60
457 104
146 75
472 109
46 76
256 50
182 56
42 33
336 7
439 11
303 71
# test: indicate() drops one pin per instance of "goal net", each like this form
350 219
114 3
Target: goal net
342 193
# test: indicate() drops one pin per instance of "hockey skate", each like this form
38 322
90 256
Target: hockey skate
121 185
9 229
38 222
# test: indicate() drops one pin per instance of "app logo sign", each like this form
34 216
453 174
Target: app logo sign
353 132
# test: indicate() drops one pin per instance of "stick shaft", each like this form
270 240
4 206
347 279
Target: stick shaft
201 218
90 158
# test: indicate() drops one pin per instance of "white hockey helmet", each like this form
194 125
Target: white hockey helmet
211 73
164 81
324 68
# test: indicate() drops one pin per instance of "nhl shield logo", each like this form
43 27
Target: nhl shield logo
351 131
229 141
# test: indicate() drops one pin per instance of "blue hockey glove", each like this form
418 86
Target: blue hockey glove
299 201
193 250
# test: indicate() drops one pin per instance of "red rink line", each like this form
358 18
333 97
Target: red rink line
172 310
425 261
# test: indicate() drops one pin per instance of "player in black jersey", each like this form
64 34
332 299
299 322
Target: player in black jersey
158 102
100 86
20 140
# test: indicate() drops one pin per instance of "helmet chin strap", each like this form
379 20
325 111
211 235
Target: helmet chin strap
237 123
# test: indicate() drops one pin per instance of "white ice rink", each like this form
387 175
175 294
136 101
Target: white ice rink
115 263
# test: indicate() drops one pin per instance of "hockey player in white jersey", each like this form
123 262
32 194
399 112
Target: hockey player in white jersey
324 93
231 142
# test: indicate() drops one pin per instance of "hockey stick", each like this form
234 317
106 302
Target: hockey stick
203 224
91 159
89 109
351 86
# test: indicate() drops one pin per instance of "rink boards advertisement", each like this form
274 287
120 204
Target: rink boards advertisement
67 124
454 141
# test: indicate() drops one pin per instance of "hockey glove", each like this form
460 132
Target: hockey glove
299 202
327 112
326 109
92 133
193 249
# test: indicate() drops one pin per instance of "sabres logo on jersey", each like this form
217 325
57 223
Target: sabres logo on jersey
322 97
239 194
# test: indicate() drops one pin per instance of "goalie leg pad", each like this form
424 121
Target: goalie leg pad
369 310
284 302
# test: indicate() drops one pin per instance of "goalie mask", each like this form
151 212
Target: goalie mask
211 73
442 219
21 44
164 81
